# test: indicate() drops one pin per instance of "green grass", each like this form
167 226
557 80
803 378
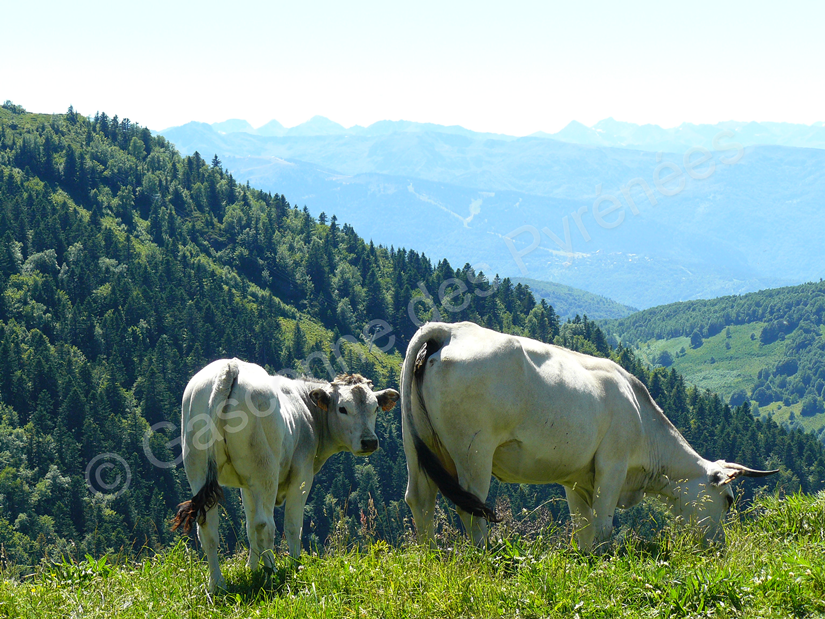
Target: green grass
730 370
773 567
782 413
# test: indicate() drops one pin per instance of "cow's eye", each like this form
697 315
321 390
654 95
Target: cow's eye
342 410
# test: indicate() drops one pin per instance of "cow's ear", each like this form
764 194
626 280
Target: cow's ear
387 398
320 398
720 478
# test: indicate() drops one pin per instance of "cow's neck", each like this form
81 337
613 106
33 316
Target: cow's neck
325 444
673 460
323 450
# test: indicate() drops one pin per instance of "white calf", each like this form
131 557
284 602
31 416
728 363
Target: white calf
268 436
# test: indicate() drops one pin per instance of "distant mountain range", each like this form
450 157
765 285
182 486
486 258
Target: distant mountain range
607 132
753 220
320 125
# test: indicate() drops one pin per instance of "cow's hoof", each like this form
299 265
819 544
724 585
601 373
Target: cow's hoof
217 583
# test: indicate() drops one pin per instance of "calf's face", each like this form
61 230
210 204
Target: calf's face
351 412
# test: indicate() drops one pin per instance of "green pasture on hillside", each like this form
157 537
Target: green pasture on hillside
725 364
713 365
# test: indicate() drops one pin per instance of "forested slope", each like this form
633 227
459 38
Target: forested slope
788 323
124 268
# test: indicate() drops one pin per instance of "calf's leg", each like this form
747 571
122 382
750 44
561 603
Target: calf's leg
294 503
609 481
261 527
420 496
249 512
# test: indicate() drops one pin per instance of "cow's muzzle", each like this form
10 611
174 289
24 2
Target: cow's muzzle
368 445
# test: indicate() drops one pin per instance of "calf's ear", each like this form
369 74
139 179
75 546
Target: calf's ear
387 398
320 398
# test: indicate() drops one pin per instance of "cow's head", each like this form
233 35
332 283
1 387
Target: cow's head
704 501
351 407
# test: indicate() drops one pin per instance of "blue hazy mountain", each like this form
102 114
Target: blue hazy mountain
317 125
754 224
610 132
233 125
320 125
272 128
607 132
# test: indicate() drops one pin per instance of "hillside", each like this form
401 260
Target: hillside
569 301
768 347
744 220
125 267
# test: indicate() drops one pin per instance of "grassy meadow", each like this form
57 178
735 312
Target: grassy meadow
726 364
773 566
722 364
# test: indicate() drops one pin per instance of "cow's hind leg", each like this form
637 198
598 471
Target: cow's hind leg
208 535
420 496
475 475
260 522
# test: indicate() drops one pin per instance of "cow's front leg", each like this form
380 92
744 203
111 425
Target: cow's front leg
296 499
582 516
609 482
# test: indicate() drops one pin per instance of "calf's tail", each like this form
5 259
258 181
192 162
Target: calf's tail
428 340
211 493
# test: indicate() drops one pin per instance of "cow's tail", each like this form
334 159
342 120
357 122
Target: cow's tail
211 493
426 342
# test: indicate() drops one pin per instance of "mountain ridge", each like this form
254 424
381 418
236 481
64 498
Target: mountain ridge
606 132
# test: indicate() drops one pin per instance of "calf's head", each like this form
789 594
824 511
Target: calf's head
351 407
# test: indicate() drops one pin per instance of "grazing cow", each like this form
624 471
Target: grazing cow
477 403
268 436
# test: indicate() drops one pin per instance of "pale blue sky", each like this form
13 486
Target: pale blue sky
530 66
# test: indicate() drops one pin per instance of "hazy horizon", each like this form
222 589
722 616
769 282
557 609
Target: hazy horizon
532 67
464 126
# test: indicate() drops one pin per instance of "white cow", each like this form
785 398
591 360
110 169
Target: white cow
477 403
268 436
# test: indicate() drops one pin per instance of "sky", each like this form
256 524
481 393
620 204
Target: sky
514 69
